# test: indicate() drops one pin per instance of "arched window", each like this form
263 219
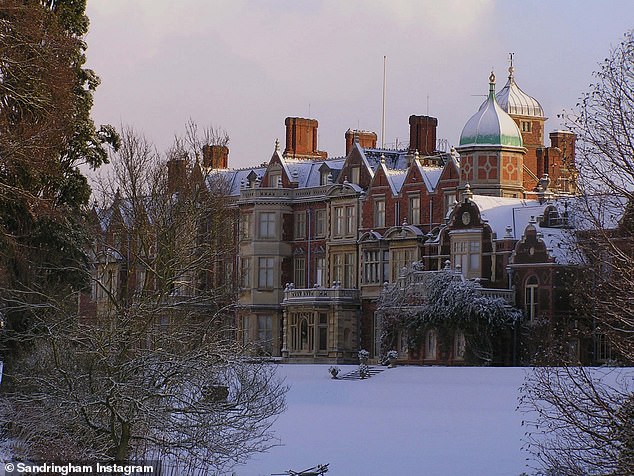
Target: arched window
530 297
431 339
459 345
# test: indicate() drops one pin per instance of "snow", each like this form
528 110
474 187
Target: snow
440 421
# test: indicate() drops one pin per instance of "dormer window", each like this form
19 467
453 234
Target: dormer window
275 179
355 174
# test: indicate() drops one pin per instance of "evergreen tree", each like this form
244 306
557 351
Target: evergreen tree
46 133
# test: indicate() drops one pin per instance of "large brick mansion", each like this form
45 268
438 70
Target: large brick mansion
318 238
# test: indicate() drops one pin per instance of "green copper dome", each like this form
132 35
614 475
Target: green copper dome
491 125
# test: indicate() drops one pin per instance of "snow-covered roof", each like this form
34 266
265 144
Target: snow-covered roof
235 178
394 159
500 212
491 125
431 175
307 172
395 178
513 100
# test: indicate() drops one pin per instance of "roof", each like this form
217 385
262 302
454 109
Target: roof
431 175
236 178
513 100
491 125
503 212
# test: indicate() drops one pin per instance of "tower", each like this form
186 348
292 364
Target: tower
492 151
529 117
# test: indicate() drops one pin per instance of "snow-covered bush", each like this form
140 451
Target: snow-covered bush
448 304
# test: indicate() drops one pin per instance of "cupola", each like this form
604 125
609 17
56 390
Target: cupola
514 101
491 125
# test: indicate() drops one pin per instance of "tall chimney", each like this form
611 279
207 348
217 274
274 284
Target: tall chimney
301 138
176 174
216 156
367 139
564 141
422 134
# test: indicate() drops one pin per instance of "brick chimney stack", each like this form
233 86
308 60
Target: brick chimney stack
367 139
176 174
216 156
564 141
422 134
301 138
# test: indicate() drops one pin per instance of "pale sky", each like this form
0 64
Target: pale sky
246 65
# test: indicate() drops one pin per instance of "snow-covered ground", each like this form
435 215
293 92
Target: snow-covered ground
431 421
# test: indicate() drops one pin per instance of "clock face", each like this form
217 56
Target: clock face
466 218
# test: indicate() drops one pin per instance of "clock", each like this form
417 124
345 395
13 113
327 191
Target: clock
466 218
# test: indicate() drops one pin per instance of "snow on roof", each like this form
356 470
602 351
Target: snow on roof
500 212
431 175
560 243
394 159
236 177
395 178
594 211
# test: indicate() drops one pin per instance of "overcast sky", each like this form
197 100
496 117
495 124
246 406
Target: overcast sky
246 65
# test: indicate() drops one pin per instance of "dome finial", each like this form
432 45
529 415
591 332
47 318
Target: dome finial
492 84
511 69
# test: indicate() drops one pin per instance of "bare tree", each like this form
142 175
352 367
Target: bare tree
151 369
605 141
581 421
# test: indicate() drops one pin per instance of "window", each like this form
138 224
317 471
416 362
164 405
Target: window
300 225
350 221
400 259
379 214
325 177
320 222
373 267
245 273
300 273
245 226
530 297
275 179
450 201
323 332
265 273
459 345
302 331
343 269
465 253
265 333
527 126
413 217
603 349
354 172
267 225
430 345
338 225
320 274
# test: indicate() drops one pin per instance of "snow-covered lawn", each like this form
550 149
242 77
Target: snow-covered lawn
431 421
